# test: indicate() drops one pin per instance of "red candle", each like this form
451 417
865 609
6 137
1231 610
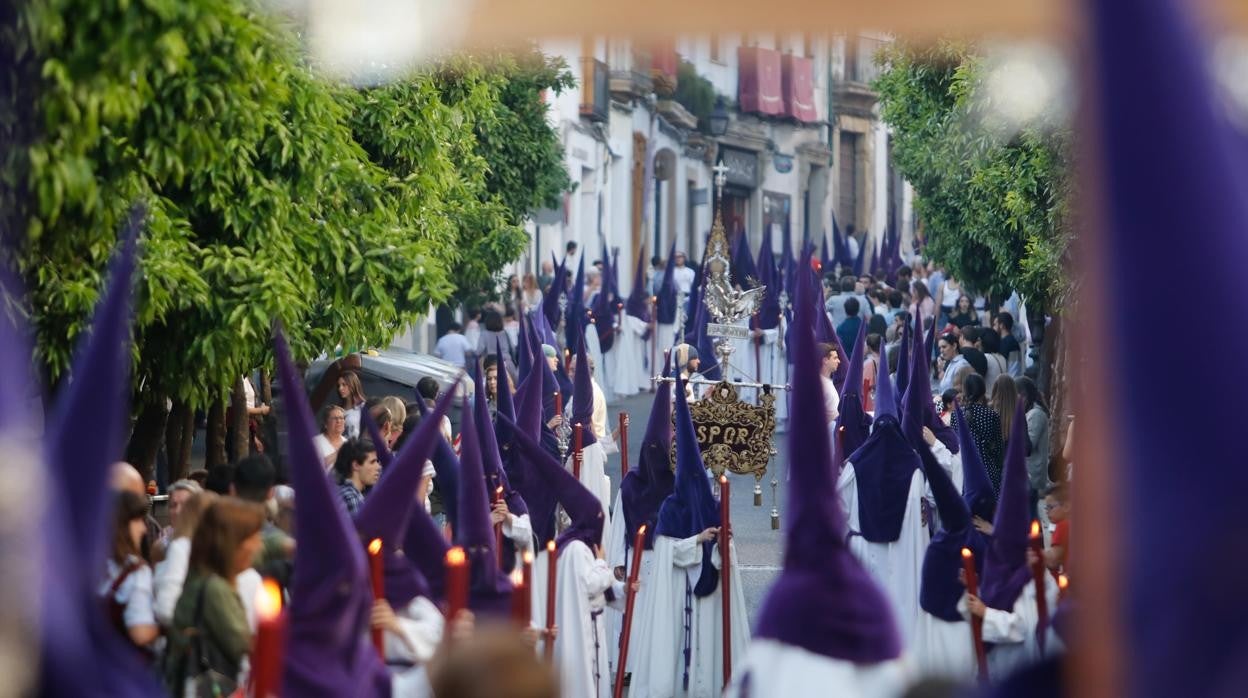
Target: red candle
266 657
519 590
551 557
379 589
558 404
977 623
577 452
623 444
456 583
725 530
498 527
629 600
1037 574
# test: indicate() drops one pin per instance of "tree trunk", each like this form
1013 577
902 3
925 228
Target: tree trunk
179 434
241 445
216 435
145 439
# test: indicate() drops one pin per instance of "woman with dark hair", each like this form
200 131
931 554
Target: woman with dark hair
127 586
964 314
210 613
1038 433
494 334
985 426
922 300
351 398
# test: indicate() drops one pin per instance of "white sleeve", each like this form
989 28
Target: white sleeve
1000 626
520 530
137 590
168 580
597 578
686 552
421 625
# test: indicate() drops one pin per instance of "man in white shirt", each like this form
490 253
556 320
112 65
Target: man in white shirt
453 346
682 275
831 401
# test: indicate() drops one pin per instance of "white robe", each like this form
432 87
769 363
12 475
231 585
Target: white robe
627 360
594 477
581 645
776 670
1014 632
658 669
519 529
665 335
422 624
952 464
619 556
593 349
943 649
896 566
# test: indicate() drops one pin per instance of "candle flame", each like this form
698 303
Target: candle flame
1035 529
642 530
723 479
374 547
550 547
1062 582
528 558
967 554
517 578
499 490
268 600
455 556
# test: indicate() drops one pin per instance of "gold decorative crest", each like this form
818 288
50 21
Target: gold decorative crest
733 435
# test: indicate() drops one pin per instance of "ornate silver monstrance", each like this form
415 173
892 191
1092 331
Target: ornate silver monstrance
732 434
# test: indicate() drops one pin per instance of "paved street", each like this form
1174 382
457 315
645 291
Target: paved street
760 549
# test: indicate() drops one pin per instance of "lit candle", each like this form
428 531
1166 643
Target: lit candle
977 623
551 556
1037 573
456 583
519 592
379 589
1063 585
577 446
266 658
725 529
623 445
629 600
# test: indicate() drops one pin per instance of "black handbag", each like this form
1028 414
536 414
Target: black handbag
204 659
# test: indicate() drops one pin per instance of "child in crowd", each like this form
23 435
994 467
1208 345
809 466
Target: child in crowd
1057 504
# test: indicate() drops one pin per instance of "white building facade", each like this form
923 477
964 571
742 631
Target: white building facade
804 142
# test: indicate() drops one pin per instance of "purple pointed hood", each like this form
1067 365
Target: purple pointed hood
917 397
545 332
883 468
392 502
576 318
853 418
824 601
904 356
826 260
524 354
384 456
638 304
940 589
692 303
491 455
445 466
506 403
709 367
1007 552
327 648
885 395
550 297
666 310
582 507
744 273
650 481
977 489
769 311
691 507
604 309
583 398
80 653
489 589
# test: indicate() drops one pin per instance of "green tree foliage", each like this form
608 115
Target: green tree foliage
273 194
993 203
